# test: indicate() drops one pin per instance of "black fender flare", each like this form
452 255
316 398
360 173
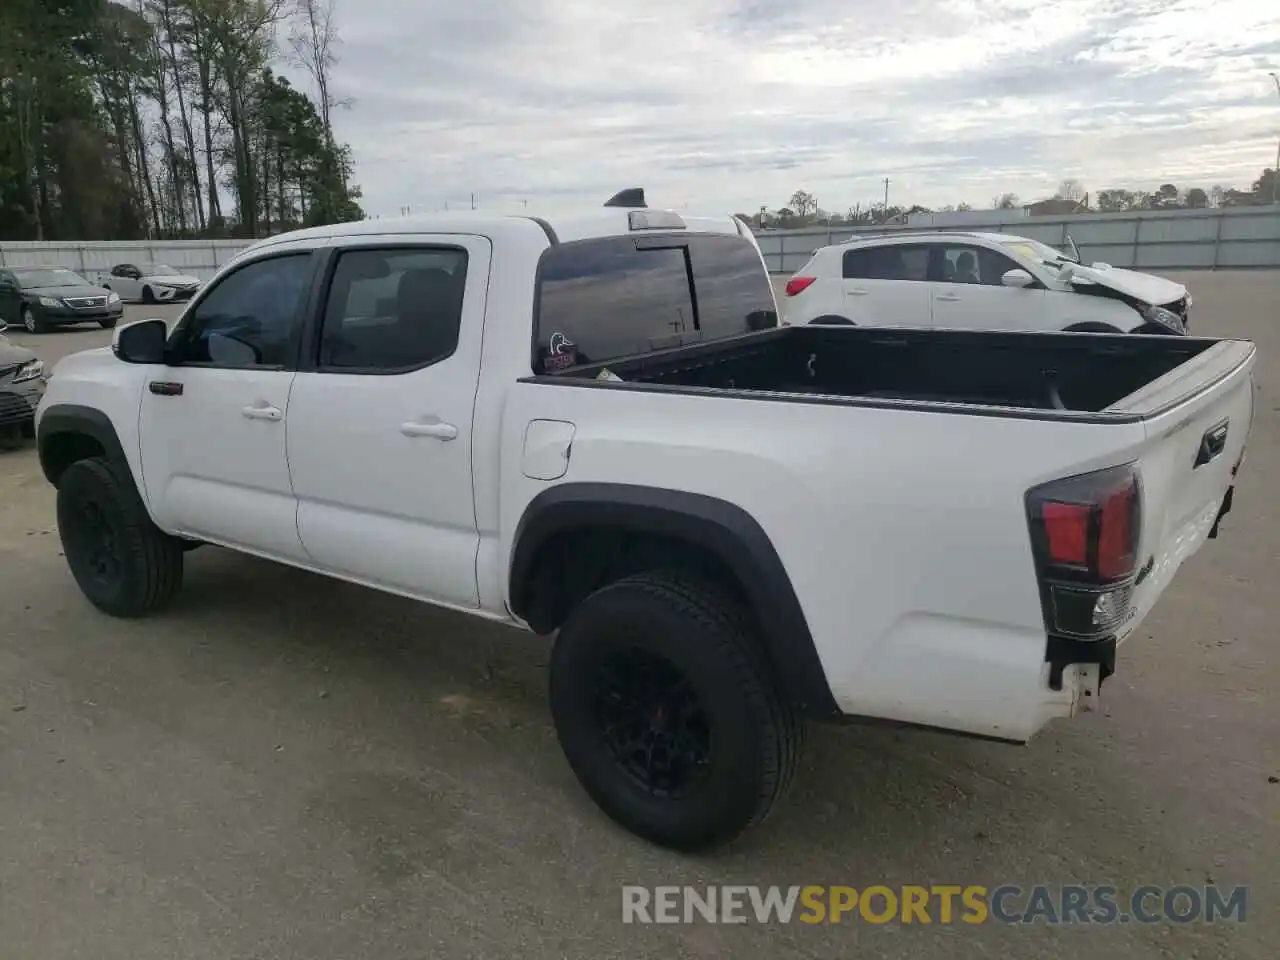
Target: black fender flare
831 320
725 530
72 418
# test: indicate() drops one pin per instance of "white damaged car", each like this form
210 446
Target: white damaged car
149 283
984 281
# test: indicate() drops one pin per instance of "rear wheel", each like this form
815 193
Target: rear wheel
831 320
667 711
121 561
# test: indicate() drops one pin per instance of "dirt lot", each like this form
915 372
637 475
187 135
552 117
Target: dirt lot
281 766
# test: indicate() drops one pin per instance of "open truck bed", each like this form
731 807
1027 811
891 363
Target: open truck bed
1048 375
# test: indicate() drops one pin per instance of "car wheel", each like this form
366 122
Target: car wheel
31 322
148 296
668 713
123 563
106 323
1092 327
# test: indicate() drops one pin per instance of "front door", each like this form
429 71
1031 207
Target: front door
9 298
969 292
886 285
380 416
213 423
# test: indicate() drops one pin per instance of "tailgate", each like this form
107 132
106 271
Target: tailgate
1197 419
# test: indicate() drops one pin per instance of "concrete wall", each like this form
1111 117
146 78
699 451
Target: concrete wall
1226 238
200 258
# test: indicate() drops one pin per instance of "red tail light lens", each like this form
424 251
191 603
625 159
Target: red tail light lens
1088 525
798 285
1084 534
1066 530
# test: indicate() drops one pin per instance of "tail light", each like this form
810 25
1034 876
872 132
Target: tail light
1084 533
798 285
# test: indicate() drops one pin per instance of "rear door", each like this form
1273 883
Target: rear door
886 285
968 291
381 412
1188 460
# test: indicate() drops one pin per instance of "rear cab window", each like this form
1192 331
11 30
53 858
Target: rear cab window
601 300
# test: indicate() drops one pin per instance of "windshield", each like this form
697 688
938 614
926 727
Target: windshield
159 270
49 278
1035 250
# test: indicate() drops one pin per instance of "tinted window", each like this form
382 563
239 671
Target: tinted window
732 287
248 318
393 309
603 299
889 262
53 277
965 264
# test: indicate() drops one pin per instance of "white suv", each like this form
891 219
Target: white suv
990 281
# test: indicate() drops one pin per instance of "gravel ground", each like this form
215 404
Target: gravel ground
282 766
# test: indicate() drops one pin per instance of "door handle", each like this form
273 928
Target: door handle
857 292
436 429
264 412
950 297
1212 444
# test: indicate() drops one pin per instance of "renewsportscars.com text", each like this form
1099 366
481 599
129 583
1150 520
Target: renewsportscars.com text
935 904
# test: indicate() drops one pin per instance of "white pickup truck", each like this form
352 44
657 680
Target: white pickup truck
594 426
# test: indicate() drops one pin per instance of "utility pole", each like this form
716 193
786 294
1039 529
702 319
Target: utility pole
886 199
1275 174
473 201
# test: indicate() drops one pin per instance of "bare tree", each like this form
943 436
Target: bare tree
1070 189
803 203
314 41
1006 201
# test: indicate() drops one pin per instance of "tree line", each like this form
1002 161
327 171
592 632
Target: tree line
803 209
149 119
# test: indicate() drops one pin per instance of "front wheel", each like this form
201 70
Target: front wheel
668 713
106 323
148 296
123 563
30 322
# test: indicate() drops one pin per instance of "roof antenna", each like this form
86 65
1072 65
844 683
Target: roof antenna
631 197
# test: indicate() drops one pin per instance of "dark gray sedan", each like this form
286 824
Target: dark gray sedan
37 298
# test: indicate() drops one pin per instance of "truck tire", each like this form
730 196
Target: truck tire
667 711
123 563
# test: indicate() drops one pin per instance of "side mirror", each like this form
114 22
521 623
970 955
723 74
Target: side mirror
141 342
1017 278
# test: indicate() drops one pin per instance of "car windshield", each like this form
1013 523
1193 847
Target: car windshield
159 270
55 277
1035 250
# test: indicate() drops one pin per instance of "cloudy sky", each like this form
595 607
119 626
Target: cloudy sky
735 104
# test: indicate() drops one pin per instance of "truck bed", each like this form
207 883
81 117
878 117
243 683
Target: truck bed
1064 373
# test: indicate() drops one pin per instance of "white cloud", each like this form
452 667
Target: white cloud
731 104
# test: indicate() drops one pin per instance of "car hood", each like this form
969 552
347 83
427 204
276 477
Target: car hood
59 292
1141 286
11 353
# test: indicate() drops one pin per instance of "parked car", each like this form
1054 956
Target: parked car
21 386
42 297
583 425
985 281
150 283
